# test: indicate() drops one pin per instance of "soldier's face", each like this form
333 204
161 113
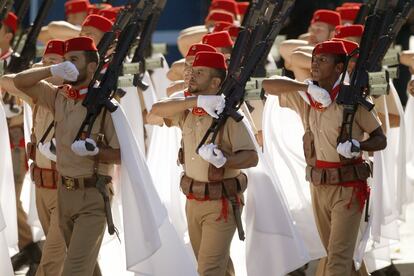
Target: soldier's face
79 60
323 66
319 32
76 18
5 37
93 33
200 80
51 59
188 68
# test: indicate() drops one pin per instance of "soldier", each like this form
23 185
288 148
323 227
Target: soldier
322 28
337 174
81 208
211 179
29 252
76 11
43 169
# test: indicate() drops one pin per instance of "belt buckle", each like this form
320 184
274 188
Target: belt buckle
69 183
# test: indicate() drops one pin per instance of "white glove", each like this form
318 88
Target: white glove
66 70
79 147
45 149
320 95
212 104
344 149
213 155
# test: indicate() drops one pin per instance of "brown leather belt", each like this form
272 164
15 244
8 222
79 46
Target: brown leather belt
214 190
71 183
338 176
44 178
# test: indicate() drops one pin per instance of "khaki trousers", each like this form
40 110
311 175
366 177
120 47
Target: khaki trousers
338 228
82 221
211 238
19 172
54 248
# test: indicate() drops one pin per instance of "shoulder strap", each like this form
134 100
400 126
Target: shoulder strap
101 138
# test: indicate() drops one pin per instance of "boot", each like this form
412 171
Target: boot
35 254
299 272
20 259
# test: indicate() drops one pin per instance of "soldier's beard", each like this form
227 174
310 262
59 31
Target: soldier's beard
81 78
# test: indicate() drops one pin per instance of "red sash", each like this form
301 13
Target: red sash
360 188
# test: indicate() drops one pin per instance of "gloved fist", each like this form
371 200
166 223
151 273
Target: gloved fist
345 149
66 70
213 155
48 149
212 104
319 94
79 147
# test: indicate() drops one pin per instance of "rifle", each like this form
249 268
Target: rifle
370 55
109 38
145 43
364 11
233 87
21 11
99 96
21 62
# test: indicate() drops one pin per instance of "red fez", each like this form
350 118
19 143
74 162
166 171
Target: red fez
198 47
11 21
220 26
81 43
211 60
109 14
349 30
330 47
350 46
227 5
233 31
55 46
219 39
219 16
243 7
327 16
75 6
95 8
98 22
350 4
348 13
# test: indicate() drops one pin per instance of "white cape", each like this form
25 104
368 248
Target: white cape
151 242
283 150
8 214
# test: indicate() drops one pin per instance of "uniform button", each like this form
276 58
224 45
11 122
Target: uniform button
192 158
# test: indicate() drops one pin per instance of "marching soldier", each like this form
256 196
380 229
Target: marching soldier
43 169
337 174
212 180
81 207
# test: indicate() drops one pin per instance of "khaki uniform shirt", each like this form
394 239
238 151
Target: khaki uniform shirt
69 115
235 138
326 125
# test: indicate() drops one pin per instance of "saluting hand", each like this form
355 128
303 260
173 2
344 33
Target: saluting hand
79 147
345 149
213 155
212 104
319 94
66 70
